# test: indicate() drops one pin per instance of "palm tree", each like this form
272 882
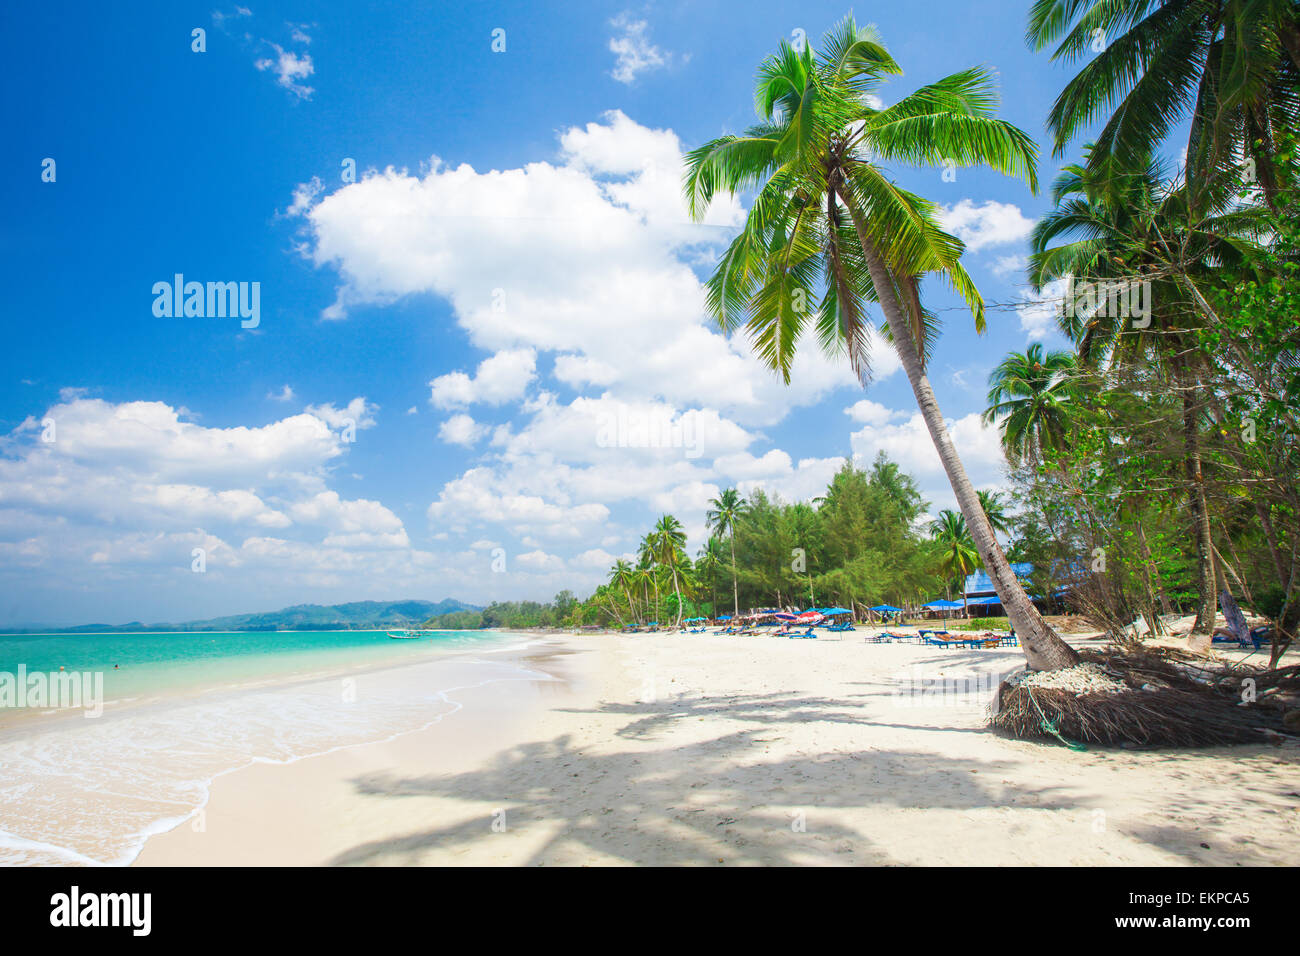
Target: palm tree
995 509
1032 397
647 568
1230 66
667 540
1117 224
644 576
959 557
724 512
826 215
623 576
604 592
707 563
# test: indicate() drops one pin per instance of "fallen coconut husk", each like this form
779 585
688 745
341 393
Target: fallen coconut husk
1146 697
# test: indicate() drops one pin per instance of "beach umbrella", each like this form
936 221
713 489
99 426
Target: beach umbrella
808 617
832 611
725 617
783 616
883 608
943 604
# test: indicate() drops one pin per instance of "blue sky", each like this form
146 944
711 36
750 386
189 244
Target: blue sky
448 350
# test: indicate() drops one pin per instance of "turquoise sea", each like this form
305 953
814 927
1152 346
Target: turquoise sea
136 664
88 785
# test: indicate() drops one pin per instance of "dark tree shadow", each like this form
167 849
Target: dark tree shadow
693 804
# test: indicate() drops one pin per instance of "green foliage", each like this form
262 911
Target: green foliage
855 546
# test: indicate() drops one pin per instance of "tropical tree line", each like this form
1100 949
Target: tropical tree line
1156 460
862 543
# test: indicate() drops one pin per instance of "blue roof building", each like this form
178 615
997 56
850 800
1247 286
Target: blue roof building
980 585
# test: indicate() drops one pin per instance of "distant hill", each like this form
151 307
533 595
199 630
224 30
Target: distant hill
355 616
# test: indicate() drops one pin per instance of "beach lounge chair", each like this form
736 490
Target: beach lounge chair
806 634
941 639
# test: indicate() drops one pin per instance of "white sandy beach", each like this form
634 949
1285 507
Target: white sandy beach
700 749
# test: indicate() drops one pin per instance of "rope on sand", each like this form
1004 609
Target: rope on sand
1053 726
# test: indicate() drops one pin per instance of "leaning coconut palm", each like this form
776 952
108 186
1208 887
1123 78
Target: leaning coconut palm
623 576
1033 399
724 511
1231 67
827 216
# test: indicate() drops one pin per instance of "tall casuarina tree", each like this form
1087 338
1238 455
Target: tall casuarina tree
826 216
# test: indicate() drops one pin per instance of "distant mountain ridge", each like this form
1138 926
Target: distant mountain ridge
353 616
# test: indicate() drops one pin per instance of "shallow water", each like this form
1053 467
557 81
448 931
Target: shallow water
183 709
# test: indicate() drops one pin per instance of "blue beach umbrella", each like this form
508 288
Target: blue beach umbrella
942 604
886 608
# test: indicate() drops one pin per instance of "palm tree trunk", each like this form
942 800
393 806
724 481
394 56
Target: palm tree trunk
1206 590
1044 649
678 592
735 588
1155 586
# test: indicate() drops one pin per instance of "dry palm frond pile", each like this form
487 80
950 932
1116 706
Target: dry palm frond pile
1149 697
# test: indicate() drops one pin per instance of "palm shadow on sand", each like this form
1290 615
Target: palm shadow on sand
692 804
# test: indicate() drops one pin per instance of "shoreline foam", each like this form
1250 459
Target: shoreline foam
71 789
